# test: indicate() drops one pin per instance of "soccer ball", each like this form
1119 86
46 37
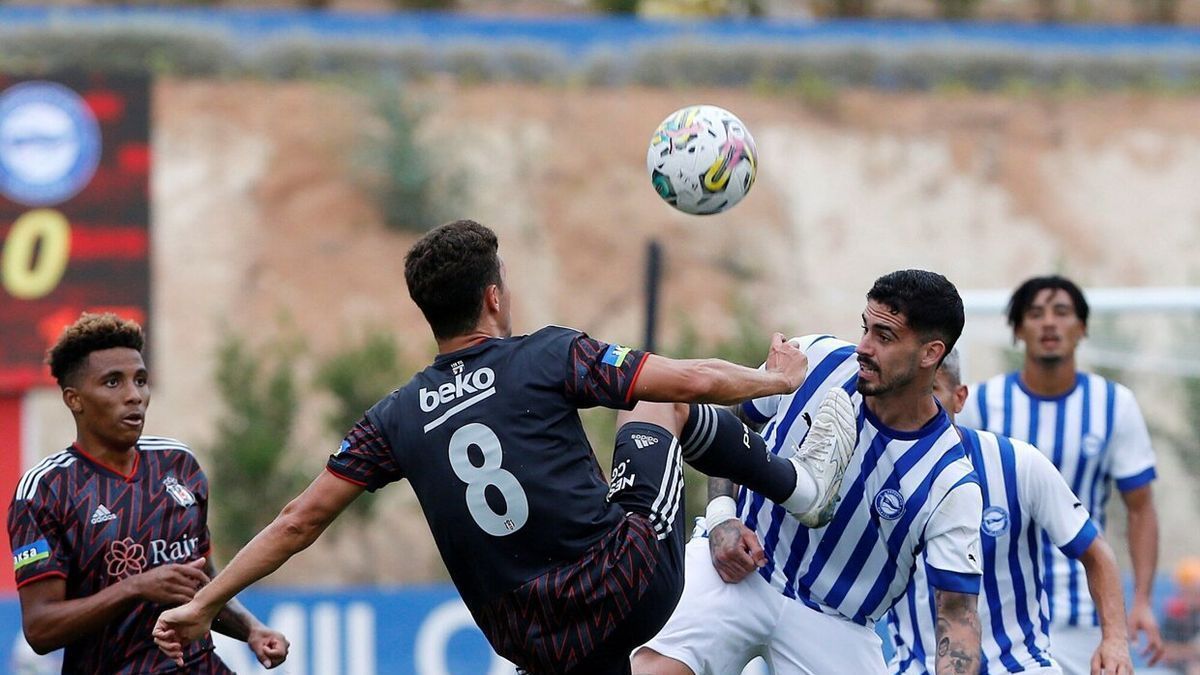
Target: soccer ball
702 159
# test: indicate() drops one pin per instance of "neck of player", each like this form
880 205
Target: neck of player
905 409
117 457
1049 377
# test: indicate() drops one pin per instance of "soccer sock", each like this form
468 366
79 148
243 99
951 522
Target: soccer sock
715 442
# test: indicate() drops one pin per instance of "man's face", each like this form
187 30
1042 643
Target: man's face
889 352
952 396
110 395
1050 328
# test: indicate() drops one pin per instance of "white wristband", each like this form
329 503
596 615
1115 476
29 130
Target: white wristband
719 510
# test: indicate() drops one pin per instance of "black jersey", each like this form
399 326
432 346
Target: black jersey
491 439
74 518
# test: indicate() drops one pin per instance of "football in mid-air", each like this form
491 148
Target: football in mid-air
702 159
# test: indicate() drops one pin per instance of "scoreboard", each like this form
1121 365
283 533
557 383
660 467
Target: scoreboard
74 211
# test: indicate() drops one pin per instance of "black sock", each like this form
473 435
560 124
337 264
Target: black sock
715 442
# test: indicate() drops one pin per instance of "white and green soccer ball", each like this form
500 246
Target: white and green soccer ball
702 159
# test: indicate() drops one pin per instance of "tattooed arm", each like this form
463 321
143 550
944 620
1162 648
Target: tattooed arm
958 633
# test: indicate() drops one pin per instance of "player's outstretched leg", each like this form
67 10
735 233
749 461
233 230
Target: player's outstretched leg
715 442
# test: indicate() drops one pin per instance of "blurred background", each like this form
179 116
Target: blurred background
245 177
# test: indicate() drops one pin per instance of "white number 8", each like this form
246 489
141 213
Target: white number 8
478 478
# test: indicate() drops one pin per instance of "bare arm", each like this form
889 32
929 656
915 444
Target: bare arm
269 646
717 381
1104 582
1143 551
958 632
292 531
50 621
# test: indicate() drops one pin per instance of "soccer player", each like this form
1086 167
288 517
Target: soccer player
563 571
1093 431
1024 497
819 589
111 531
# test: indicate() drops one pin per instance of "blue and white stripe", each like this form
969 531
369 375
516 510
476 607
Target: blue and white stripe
1013 606
860 563
1076 431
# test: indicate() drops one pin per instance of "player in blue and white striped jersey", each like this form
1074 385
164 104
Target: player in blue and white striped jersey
1093 431
1024 498
908 488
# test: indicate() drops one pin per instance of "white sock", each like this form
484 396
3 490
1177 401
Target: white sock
804 497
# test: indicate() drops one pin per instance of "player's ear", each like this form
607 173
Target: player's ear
931 353
491 296
70 397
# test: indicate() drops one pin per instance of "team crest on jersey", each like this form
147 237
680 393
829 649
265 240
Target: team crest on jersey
995 521
178 491
1091 445
889 504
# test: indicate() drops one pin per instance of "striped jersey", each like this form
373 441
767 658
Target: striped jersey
1095 435
903 492
78 520
1024 499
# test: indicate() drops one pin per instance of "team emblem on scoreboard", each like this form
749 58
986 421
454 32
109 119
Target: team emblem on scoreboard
995 521
889 504
49 143
178 491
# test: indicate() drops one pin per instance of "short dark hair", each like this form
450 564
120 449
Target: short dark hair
1022 298
929 302
447 272
90 333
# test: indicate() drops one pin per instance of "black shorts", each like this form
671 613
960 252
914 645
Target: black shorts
586 617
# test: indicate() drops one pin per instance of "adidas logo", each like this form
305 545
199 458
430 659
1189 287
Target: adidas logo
643 441
102 515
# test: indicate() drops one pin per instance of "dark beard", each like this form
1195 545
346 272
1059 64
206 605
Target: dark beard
1049 361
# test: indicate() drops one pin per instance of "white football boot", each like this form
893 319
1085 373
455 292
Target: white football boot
825 454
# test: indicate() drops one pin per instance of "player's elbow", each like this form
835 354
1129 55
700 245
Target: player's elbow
39 637
299 527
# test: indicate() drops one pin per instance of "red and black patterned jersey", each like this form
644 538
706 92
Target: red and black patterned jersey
74 518
491 440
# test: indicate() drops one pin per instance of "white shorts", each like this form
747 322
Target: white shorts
718 628
1073 646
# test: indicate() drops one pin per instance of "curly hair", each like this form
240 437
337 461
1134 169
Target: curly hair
930 304
447 272
90 333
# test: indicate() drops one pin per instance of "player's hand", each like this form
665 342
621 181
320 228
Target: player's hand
270 646
1142 621
735 550
172 584
1112 658
786 358
178 627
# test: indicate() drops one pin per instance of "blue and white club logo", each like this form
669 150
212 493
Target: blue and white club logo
1091 445
995 521
49 143
889 504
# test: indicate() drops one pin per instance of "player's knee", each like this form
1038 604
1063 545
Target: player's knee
669 416
646 661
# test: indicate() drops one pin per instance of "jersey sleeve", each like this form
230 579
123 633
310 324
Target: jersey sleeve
601 373
1129 445
37 537
761 410
952 558
365 458
1051 503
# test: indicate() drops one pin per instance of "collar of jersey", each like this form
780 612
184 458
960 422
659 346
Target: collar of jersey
100 467
441 359
1015 376
935 425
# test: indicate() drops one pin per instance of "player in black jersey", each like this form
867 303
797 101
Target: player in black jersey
564 571
113 530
